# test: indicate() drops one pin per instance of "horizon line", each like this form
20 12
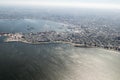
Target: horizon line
65 4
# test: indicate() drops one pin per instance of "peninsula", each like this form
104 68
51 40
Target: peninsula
63 37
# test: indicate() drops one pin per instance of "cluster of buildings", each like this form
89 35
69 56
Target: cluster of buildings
85 39
12 37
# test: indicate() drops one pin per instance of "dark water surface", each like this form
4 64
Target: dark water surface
20 61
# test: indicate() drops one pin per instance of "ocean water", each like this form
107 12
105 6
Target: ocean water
30 25
20 61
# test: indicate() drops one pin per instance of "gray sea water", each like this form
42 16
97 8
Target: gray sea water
30 25
21 61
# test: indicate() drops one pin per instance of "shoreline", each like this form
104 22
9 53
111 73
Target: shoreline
62 42
19 37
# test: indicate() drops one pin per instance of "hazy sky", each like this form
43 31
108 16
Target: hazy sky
103 4
91 1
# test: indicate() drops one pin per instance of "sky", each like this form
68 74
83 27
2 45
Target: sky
101 4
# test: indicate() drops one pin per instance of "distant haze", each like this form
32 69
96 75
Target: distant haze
98 4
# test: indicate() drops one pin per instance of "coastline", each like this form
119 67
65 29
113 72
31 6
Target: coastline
19 37
63 42
8 39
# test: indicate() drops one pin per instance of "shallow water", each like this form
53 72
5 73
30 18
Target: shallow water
20 61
